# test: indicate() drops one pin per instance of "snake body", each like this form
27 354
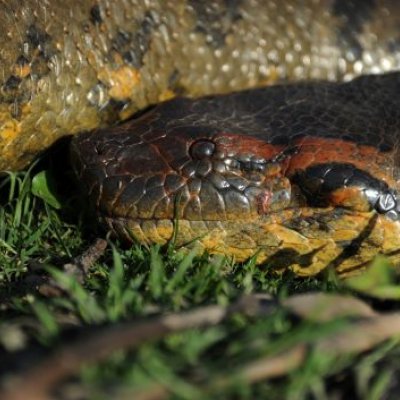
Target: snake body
303 175
71 66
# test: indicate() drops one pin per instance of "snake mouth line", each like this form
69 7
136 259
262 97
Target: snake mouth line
306 242
254 172
290 226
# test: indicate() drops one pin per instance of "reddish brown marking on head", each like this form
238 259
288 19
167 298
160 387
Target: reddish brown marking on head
236 143
350 197
318 150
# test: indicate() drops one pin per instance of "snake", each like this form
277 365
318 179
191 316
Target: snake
253 129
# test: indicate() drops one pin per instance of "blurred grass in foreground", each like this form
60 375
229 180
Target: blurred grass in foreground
41 231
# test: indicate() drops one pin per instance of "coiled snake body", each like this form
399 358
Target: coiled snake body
302 175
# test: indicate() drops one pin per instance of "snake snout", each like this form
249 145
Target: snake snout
196 180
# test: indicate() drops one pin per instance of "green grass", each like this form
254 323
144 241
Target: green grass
138 282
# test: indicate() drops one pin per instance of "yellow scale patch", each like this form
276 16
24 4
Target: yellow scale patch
316 248
121 81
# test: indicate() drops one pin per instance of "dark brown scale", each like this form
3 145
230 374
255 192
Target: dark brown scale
235 170
329 149
77 65
315 117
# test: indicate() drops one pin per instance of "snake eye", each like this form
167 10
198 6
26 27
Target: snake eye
202 149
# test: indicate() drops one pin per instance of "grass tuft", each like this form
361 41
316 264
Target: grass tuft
40 232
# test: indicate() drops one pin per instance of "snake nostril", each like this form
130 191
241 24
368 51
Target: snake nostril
386 203
202 149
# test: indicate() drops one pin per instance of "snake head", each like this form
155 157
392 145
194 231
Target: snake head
192 171
200 176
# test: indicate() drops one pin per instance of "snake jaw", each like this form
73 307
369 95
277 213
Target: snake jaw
242 192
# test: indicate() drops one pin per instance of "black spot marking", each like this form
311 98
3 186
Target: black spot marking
215 19
122 44
40 40
22 61
356 12
12 83
353 14
121 39
15 91
36 37
133 47
95 15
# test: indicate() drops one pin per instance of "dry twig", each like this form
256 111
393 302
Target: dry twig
37 383
79 268
362 333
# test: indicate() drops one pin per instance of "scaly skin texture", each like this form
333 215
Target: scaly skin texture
71 66
302 176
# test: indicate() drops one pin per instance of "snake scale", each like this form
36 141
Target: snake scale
301 172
